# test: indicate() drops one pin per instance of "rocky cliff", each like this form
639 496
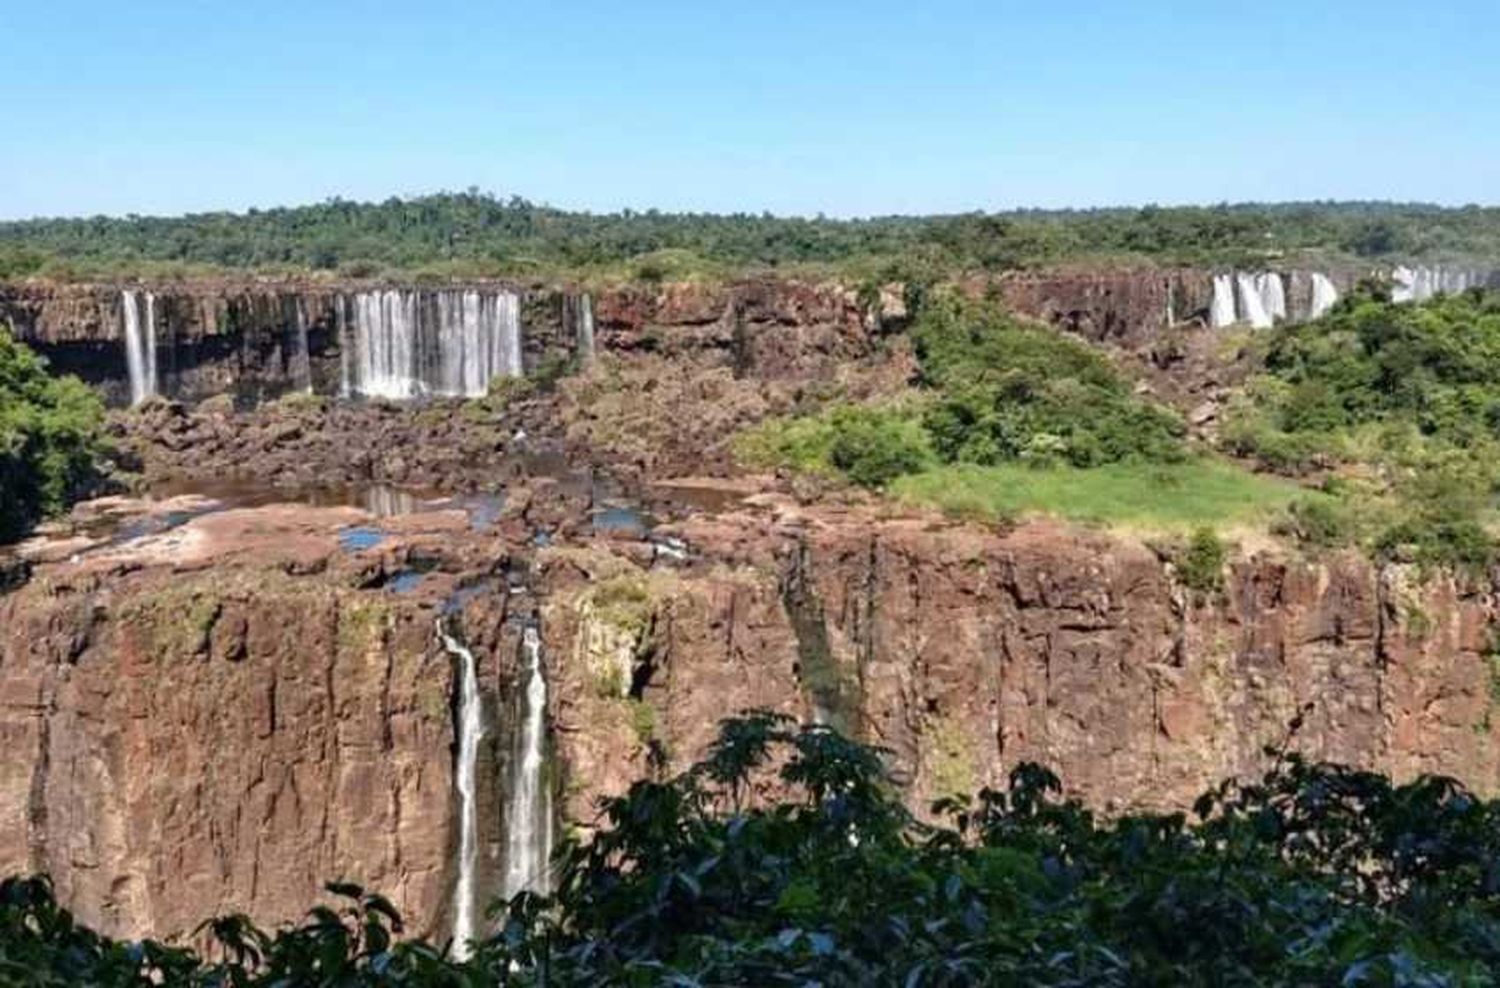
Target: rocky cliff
249 338
224 714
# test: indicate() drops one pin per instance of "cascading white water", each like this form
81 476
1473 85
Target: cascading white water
140 345
1221 311
585 328
346 348
1422 283
529 815
448 343
1272 292
470 730
1324 295
1251 309
301 356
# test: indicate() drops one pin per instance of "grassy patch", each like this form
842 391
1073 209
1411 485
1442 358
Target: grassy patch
1170 497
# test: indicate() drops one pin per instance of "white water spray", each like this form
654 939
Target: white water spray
1272 292
1324 295
1422 283
1221 311
470 730
140 345
451 343
1251 307
529 816
585 329
301 355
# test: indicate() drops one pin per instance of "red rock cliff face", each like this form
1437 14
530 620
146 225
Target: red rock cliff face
239 337
228 720
966 653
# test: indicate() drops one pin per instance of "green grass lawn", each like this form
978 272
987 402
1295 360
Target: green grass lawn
1161 497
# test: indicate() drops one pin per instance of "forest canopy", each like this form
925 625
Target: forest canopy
473 234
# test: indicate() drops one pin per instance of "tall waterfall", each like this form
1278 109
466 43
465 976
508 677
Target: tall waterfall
1221 311
140 345
529 815
470 730
1324 295
585 329
1252 307
1272 291
452 343
301 356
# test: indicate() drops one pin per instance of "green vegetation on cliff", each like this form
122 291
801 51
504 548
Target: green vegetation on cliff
474 234
1398 406
1012 418
1170 497
1312 875
51 438
1383 420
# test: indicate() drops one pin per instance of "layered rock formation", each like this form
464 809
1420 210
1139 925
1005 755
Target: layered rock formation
224 714
967 652
217 707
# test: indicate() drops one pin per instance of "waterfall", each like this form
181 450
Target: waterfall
1422 283
301 356
1251 309
451 343
1221 312
1324 295
346 348
529 815
470 730
140 345
585 328
1272 292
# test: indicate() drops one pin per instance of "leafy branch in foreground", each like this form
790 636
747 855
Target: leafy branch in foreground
786 857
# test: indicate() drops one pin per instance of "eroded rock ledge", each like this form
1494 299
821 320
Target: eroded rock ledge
222 715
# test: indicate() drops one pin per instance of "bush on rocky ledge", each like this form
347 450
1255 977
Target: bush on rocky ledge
51 438
1315 874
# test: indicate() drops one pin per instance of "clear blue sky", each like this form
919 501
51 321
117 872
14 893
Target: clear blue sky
848 108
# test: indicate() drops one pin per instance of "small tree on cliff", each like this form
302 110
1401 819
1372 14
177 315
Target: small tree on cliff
51 438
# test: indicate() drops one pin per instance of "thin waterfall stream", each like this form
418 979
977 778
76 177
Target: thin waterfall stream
529 816
470 731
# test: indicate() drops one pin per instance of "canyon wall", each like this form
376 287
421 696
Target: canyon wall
966 652
256 339
224 716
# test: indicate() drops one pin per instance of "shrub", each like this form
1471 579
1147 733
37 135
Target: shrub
1322 522
870 445
873 447
51 439
1007 390
1200 566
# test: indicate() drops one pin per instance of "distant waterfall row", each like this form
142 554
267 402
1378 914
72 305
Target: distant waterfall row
1420 284
1261 299
390 343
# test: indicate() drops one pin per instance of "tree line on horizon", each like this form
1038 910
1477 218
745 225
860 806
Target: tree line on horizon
476 234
